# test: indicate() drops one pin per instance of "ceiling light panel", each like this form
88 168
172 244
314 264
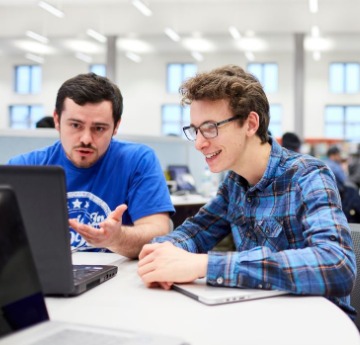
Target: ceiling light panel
315 31
252 44
37 37
172 34
145 10
250 56
35 58
318 44
51 9
34 47
197 56
134 45
84 46
313 6
201 45
234 32
96 35
133 57
83 57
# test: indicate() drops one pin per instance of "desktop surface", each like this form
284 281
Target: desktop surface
124 302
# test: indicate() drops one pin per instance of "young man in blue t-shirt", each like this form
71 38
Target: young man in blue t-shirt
116 191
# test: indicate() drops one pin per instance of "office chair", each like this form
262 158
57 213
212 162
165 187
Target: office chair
355 293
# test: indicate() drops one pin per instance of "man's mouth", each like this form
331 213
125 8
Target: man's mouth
211 155
83 151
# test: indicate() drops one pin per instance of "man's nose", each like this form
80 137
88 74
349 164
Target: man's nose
200 141
86 137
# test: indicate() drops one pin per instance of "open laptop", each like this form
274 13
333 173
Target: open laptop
23 315
41 193
213 295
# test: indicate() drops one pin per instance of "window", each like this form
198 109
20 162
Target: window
174 118
267 74
344 77
25 116
275 120
27 79
99 69
342 122
177 73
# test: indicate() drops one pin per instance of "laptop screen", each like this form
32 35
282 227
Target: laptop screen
21 300
183 178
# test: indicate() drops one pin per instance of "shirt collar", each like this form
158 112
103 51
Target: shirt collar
272 165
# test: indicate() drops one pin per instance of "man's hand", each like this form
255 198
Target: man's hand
162 264
108 233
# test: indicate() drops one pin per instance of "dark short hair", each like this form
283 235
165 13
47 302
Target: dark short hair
291 141
333 150
231 82
90 88
46 122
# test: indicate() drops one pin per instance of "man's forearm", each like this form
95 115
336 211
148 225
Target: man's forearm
132 238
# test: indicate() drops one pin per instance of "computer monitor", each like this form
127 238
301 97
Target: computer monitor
183 178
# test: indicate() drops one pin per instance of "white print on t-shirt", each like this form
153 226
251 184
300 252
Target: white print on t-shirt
88 209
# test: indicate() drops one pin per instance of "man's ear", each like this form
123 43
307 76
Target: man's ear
116 127
252 123
56 120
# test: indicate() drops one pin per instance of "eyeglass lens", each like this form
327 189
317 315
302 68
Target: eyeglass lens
207 129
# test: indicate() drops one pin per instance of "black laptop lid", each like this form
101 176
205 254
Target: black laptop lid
41 194
21 300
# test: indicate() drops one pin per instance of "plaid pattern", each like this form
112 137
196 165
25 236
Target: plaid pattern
289 231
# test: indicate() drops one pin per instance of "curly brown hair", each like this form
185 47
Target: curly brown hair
242 89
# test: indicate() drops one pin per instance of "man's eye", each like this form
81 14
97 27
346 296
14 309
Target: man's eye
208 127
99 129
75 125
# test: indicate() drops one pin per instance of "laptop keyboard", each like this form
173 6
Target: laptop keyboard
80 273
78 337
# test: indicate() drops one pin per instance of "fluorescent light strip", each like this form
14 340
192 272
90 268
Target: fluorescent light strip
134 57
37 37
197 56
96 35
142 8
51 9
313 6
234 32
83 57
36 58
250 56
172 34
315 31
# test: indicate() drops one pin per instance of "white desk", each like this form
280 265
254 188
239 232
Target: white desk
188 199
124 302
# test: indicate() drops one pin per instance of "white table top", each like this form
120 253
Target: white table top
124 302
188 199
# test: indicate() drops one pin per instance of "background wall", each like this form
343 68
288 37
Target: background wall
143 86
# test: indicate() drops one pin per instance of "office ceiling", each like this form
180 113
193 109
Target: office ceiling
264 25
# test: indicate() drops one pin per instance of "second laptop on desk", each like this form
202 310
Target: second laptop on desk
41 193
212 295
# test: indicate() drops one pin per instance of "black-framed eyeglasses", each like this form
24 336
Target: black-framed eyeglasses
208 129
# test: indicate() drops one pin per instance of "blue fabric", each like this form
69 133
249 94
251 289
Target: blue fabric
338 171
289 231
128 173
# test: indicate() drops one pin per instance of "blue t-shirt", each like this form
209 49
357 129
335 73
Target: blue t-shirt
128 173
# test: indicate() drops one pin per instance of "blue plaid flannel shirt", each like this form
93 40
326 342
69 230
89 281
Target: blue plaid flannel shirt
289 231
